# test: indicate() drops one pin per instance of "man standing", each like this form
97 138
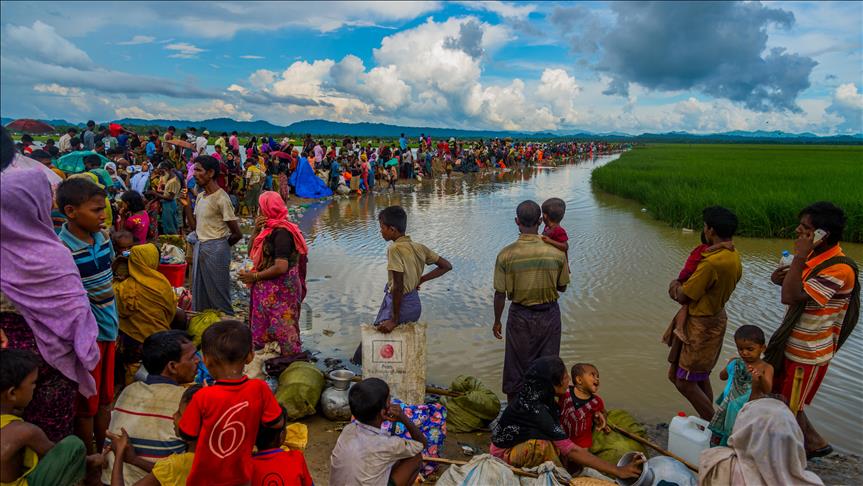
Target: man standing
201 142
65 142
696 335
90 136
530 273
215 231
823 294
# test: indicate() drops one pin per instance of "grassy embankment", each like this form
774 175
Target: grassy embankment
765 185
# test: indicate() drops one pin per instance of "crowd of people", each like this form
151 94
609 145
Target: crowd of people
86 313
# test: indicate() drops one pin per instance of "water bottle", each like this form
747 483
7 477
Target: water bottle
786 259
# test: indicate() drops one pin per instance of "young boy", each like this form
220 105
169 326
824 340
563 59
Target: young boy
749 378
273 465
552 214
83 204
171 471
364 454
224 418
27 455
582 409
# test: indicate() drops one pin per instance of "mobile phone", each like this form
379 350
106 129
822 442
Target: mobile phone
818 236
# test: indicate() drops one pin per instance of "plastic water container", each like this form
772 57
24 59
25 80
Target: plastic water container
688 436
786 259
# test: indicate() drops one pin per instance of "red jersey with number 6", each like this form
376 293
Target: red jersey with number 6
224 418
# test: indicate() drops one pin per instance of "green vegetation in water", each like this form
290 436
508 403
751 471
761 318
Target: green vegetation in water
765 185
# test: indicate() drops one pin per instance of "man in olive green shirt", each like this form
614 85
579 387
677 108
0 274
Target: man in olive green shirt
530 273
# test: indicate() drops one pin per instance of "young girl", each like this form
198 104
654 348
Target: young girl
749 377
135 217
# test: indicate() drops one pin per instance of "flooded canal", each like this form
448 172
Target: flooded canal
614 311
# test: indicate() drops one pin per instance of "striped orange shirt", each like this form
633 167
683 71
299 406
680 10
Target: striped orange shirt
813 340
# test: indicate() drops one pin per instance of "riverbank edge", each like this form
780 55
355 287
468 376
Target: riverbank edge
835 469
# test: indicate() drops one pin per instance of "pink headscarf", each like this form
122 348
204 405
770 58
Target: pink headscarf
39 276
273 207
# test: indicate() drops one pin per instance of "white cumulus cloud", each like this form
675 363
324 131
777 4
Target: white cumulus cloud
138 39
184 50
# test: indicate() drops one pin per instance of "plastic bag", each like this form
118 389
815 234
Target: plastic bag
482 470
255 369
614 445
398 358
474 410
172 255
200 323
300 388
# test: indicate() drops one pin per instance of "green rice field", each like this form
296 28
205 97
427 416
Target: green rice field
765 185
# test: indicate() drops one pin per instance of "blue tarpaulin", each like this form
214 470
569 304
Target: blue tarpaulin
306 183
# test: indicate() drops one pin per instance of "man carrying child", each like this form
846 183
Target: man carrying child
530 273
696 338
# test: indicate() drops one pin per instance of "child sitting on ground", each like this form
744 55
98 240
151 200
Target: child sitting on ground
749 378
122 241
226 415
27 455
171 471
581 409
83 203
364 454
552 214
273 465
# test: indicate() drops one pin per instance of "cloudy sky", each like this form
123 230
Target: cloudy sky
631 67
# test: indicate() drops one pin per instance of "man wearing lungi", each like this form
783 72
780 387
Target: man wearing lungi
822 291
530 273
215 231
696 334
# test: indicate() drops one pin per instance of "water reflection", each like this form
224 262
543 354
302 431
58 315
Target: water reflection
613 313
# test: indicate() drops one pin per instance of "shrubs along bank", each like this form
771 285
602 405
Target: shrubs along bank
765 185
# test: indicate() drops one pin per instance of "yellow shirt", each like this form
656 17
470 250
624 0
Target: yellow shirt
31 459
409 258
713 281
174 469
529 271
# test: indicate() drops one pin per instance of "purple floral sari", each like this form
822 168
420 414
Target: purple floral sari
274 313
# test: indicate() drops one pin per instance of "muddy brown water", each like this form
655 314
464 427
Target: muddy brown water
614 311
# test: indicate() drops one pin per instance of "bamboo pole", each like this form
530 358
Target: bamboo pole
429 389
652 445
796 391
456 462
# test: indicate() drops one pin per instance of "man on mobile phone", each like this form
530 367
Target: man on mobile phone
823 294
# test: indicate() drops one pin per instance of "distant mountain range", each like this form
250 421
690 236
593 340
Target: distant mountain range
330 128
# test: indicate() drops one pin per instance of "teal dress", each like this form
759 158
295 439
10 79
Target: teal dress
733 398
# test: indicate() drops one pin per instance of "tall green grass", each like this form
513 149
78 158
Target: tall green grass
765 185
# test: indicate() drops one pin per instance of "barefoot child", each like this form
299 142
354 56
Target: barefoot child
364 454
27 456
749 378
553 210
224 417
406 261
83 204
581 409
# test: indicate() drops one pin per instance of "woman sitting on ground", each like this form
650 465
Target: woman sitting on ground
146 304
529 433
279 277
765 447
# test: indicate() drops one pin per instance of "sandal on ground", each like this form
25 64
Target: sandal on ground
824 451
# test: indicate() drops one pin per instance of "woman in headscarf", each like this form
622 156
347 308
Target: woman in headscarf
765 448
119 183
146 304
278 281
529 433
37 277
